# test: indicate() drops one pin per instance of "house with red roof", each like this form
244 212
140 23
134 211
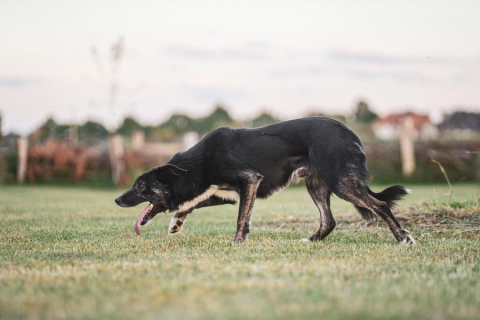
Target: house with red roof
392 126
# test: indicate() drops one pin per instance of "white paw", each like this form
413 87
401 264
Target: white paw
305 240
174 231
175 226
409 240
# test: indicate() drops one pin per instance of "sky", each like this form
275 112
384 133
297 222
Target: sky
286 57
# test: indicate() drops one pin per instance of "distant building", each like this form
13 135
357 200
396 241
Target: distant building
391 126
461 125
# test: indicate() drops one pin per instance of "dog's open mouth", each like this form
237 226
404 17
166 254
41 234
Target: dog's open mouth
143 218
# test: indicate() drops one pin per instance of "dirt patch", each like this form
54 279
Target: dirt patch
425 217
442 217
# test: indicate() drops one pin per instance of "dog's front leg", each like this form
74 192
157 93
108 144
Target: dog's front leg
177 221
247 199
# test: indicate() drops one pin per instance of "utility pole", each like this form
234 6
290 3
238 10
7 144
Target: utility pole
116 57
1 136
111 78
115 141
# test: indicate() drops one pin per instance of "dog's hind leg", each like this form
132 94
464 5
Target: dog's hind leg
366 214
248 194
320 194
356 192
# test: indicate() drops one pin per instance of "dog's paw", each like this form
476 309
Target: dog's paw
176 226
174 230
408 239
305 240
238 240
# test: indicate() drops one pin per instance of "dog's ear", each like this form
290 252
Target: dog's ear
169 171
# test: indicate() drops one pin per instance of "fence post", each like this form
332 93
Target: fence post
138 140
116 158
190 139
73 134
407 146
22 145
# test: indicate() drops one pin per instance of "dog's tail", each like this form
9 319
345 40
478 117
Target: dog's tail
390 195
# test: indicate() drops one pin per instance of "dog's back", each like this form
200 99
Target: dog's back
323 146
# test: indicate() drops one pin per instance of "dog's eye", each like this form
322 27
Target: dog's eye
140 187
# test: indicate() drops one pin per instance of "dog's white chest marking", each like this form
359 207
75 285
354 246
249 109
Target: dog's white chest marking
227 195
213 190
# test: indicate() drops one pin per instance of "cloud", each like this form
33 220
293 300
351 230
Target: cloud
399 76
364 56
313 71
367 65
362 72
371 66
378 58
204 89
18 82
247 52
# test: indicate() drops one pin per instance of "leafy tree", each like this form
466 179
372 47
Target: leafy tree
363 113
148 131
129 126
92 132
9 140
264 119
174 127
9 158
337 117
219 117
180 123
50 130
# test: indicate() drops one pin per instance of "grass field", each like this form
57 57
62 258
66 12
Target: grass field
70 253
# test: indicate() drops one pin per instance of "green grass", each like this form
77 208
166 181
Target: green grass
70 253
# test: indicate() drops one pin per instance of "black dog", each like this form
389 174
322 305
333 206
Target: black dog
230 165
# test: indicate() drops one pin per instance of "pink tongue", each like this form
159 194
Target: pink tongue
140 218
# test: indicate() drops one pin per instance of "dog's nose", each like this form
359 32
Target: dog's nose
117 201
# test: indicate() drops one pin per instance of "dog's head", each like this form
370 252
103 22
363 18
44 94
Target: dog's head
153 186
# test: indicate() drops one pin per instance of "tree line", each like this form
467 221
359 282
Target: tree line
92 132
